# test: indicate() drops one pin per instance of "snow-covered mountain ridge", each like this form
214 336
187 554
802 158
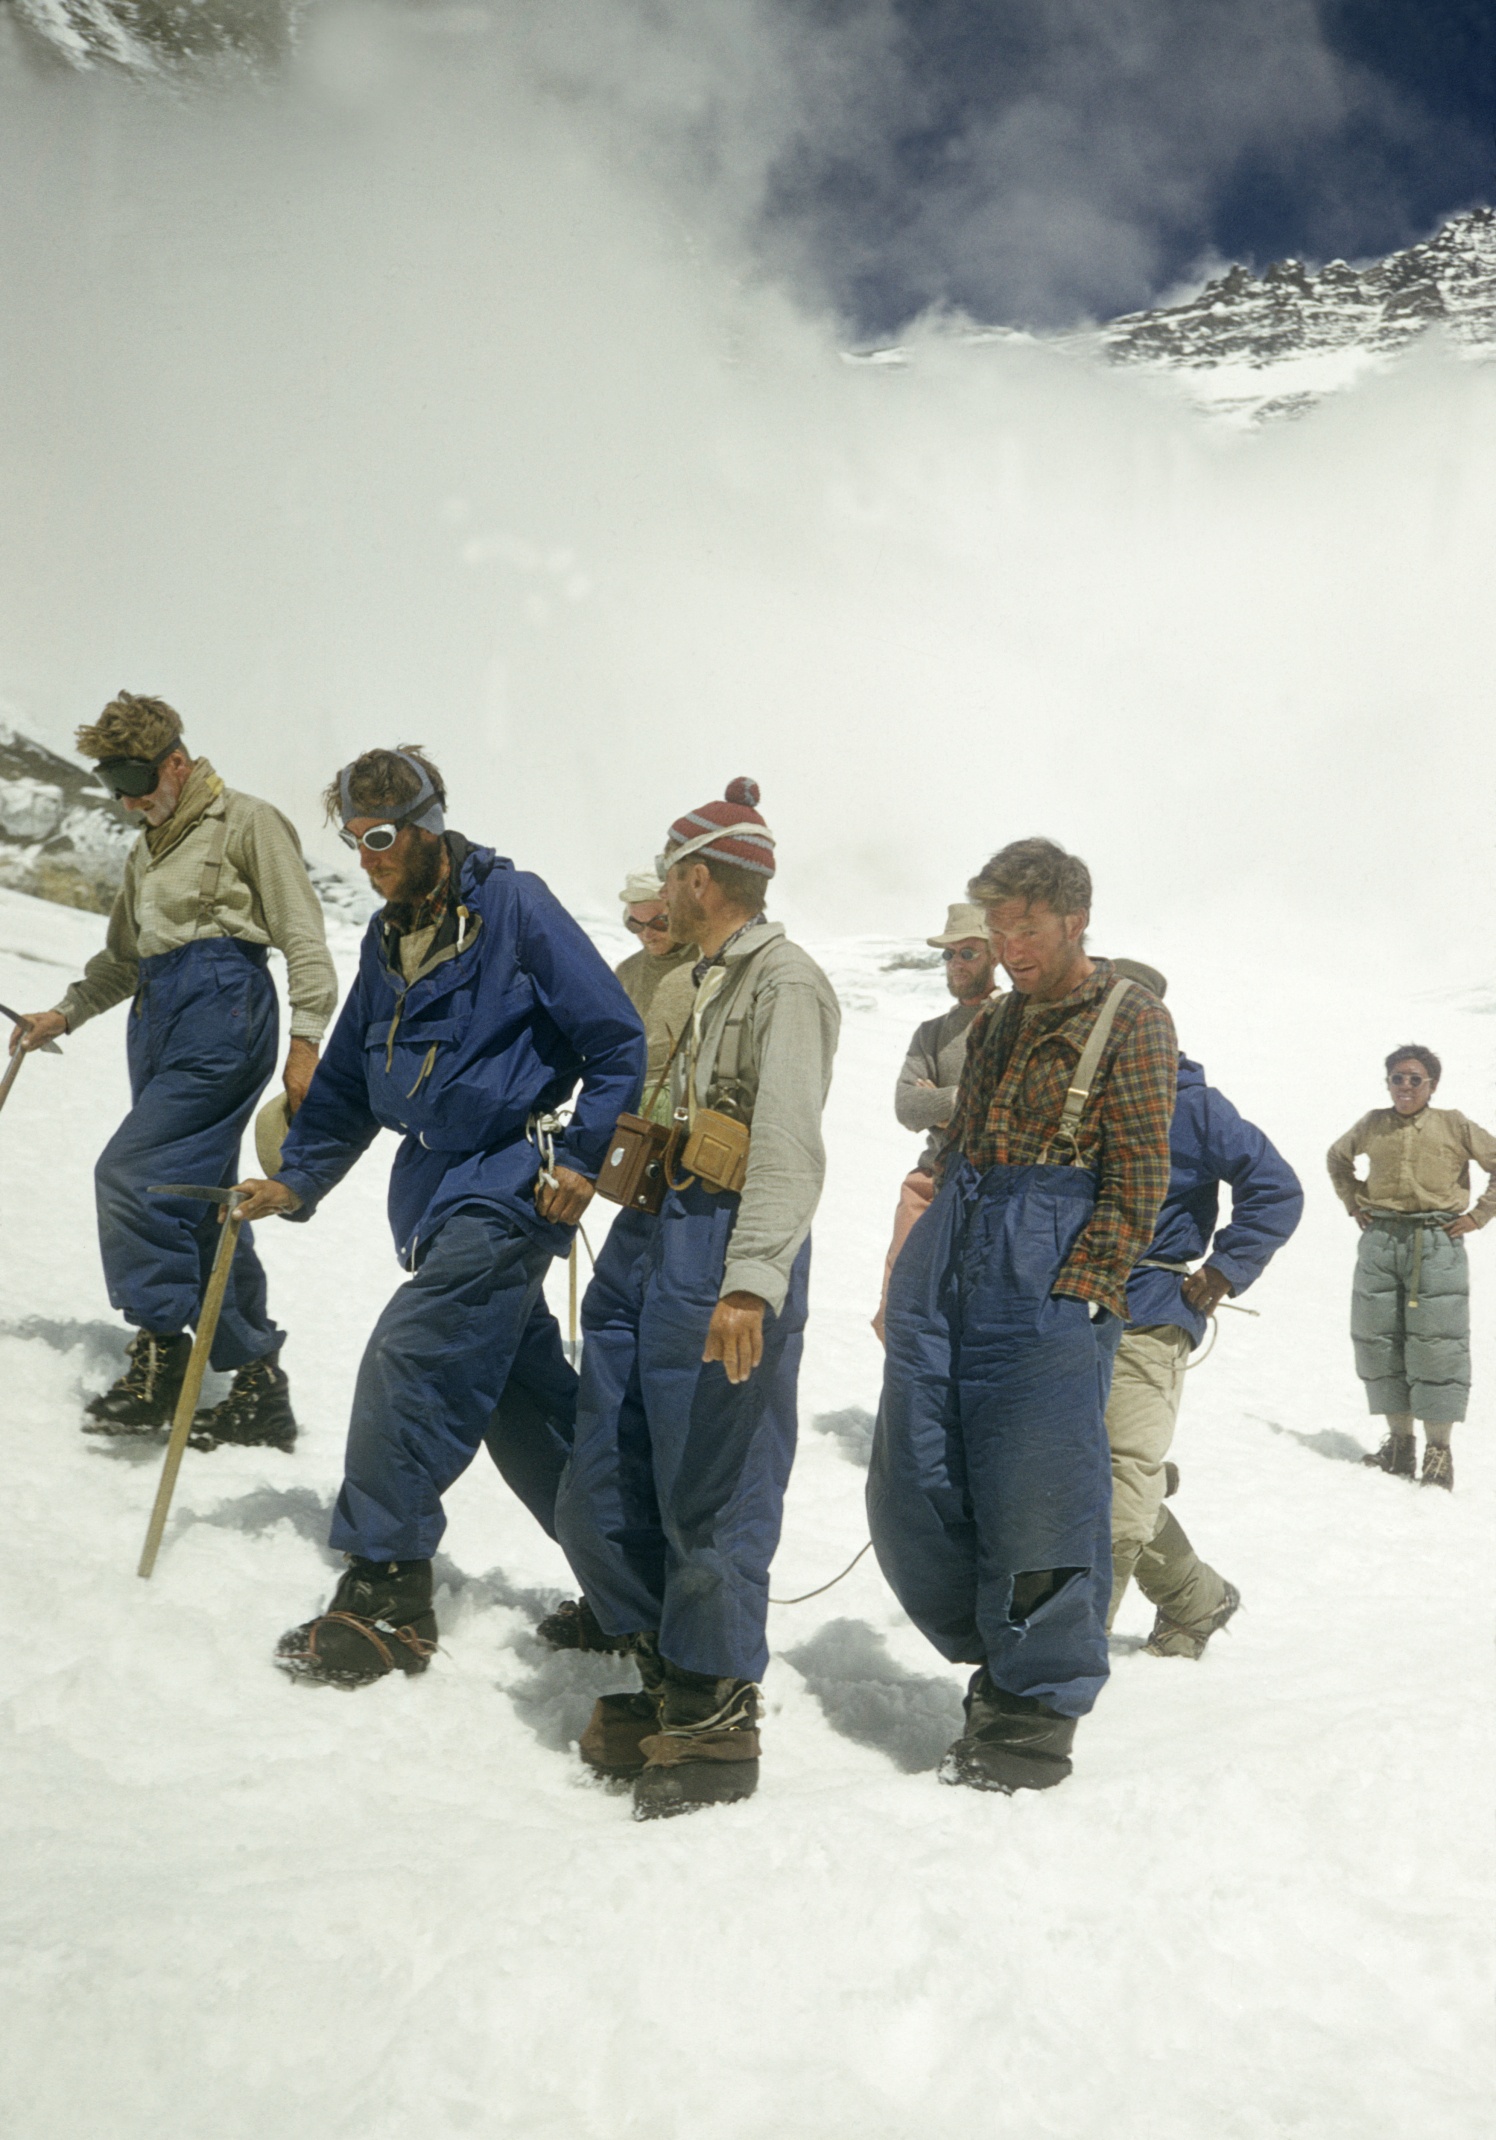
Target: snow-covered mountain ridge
1251 347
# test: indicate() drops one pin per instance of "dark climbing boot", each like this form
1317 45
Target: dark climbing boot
1397 1455
613 1743
1170 1639
705 1749
1011 1742
145 1396
1438 1466
574 1626
380 1621
256 1412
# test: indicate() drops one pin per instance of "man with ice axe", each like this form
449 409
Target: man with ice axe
478 1006
215 879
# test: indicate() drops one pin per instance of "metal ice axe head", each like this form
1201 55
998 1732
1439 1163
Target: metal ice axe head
48 1047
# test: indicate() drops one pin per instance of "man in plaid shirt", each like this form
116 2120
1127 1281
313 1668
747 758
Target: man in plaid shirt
990 1489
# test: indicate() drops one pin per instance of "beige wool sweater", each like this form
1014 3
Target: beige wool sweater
1415 1163
261 894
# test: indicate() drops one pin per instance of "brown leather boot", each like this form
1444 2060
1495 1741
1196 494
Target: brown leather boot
1438 1466
705 1751
613 1743
1397 1455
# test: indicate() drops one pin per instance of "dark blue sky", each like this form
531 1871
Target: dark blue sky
1042 161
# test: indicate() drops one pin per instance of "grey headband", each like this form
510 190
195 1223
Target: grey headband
424 811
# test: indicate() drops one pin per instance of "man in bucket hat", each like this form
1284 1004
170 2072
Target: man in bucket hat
657 977
214 881
670 1507
924 1097
478 1006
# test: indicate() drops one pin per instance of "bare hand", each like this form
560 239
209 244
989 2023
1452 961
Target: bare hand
36 1029
1205 1289
564 1199
925 1084
1361 1219
266 1199
301 1061
1461 1225
736 1335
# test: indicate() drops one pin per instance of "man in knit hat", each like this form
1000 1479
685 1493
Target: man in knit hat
479 1009
215 879
656 978
924 1097
670 1507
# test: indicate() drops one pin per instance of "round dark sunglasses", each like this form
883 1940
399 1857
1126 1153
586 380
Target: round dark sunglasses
1406 1077
134 777
960 951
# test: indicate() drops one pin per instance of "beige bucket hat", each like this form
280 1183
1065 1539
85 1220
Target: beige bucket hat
641 887
961 924
271 1124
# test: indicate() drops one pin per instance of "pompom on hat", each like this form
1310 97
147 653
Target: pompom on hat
732 830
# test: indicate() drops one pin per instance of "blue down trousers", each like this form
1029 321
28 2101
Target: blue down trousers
671 1505
1410 1320
989 1492
201 1046
466 1352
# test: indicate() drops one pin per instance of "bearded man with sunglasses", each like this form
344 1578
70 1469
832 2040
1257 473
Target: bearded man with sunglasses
925 1096
215 879
657 977
479 1006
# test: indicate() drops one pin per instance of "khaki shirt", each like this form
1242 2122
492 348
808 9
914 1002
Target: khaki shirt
262 895
1415 1162
661 992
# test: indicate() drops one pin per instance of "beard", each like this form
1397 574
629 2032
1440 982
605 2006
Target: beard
422 872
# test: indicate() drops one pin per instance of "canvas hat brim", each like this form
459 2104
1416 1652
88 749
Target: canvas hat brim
271 1124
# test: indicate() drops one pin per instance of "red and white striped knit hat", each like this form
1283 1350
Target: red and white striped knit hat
731 829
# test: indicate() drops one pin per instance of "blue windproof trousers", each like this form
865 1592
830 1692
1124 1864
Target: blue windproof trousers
201 1046
989 1492
466 1352
671 1505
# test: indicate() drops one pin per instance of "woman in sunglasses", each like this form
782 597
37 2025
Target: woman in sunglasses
1410 1302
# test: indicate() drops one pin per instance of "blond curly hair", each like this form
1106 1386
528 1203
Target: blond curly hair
131 726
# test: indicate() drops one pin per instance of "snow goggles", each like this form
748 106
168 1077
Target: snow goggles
135 776
377 839
423 811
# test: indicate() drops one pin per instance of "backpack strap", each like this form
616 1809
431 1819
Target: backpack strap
1085 1077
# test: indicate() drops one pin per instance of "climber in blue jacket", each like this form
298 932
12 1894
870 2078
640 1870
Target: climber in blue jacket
1169 1302
478 1007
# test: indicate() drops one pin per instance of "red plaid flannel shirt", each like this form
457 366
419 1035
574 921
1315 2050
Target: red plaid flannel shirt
1012 1094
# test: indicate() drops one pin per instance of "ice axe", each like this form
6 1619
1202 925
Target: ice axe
13 1070
202 1345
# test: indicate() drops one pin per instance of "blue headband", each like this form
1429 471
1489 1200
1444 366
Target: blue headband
424 812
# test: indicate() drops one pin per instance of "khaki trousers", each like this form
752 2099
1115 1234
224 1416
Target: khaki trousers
1147 1541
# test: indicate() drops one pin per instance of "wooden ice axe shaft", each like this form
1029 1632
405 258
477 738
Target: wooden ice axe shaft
12 1073
192 1381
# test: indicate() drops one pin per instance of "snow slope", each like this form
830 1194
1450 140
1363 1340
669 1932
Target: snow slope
236 1907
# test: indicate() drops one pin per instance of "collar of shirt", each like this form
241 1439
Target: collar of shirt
719 957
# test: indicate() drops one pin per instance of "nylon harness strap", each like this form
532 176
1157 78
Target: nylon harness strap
1085 1074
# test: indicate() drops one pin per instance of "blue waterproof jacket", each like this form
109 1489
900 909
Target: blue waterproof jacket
495 1029
1209 1143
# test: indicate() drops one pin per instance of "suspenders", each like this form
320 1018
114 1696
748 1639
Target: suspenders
1085 1077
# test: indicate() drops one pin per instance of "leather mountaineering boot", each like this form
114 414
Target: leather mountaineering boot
612 1745
145 1396
1438 1466
380 1621
256 1412
1169 1639
1397 1455
705 1750
1012 1742
574 1626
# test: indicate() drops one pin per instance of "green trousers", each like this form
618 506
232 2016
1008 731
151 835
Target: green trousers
1410 1319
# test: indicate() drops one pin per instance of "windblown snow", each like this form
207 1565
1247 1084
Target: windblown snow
238 1907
